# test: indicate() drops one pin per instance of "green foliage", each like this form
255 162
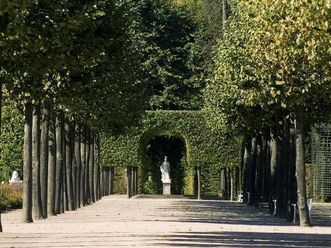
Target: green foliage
206 147
150 188
169 33
273 57
80 57
11 144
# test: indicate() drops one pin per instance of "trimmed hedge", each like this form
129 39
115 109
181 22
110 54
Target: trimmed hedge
207 146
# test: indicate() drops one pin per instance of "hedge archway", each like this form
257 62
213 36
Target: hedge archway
207 146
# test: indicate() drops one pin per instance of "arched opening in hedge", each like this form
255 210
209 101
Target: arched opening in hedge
207 146
157 148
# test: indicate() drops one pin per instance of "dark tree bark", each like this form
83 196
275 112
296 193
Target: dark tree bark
301 170
107 180
51 166
286 204
44 159
128 178
87 167
273 165
111 180
96 169
253 171
91 169
0 135
59 162
225 13
247 169
27 165
64 171
292 179
258 179
36 203
68 161
78 164
266 168
83 167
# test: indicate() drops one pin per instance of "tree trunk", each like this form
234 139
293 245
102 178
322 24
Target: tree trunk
199 182
301 170
91 168
247 170
51 166
253 195
129 182
273 165
27 165
225 13
0 135
222 183
258 180
83 166
59 162
68 161
78 164
36 206
44 160
111 180
87 167
96 169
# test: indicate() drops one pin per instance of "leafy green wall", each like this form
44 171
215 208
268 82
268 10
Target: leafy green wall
207 146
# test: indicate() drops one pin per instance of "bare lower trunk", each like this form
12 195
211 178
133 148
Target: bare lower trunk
68 161
225 13
253 196
96 169
247 170
59 162
36 206
273 165
87 166
91 169
83 167
27 165
301 170
51 167
44 160
0 136
78 165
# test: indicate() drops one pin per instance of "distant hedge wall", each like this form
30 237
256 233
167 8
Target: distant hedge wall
207 146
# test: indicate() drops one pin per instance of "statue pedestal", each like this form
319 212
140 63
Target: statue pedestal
167 188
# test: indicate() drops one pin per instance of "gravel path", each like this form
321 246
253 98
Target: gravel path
116 221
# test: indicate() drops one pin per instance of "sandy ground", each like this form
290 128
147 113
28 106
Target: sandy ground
116 221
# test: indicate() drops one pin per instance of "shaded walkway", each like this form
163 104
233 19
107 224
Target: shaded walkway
116 221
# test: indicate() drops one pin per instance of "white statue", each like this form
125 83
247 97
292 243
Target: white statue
165 170
15 178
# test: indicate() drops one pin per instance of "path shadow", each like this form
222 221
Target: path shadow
226 212
221 212
242 239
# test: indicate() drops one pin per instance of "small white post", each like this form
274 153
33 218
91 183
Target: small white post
275 207
294 213
310 206
248 197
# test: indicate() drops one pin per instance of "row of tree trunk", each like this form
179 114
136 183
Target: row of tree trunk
61 164
274 169
0 135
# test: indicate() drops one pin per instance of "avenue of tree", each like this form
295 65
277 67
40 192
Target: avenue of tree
76 69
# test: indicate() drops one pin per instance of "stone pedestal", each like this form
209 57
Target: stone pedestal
166 188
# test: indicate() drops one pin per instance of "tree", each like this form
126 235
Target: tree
274 62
